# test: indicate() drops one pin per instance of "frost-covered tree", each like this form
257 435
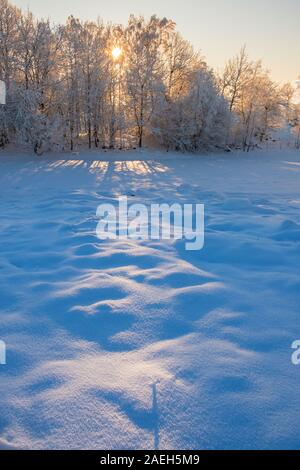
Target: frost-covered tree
255 102
144 69
9 44
196 120
236 77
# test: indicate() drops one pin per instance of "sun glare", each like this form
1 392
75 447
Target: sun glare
116 52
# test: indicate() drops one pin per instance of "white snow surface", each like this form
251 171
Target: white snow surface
142 345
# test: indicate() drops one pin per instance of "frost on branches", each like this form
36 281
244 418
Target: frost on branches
66 88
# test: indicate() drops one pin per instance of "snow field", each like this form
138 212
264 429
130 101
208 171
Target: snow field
128 344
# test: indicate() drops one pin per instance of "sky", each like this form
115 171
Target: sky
219 28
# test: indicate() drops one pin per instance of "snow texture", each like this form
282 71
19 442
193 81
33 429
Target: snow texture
142 345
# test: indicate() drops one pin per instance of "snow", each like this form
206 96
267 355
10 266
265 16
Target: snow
140 345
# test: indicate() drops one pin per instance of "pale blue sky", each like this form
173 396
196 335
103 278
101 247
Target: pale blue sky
270 28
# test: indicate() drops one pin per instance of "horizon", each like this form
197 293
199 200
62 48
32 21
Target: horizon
259 33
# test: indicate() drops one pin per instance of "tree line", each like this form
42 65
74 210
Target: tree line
113 86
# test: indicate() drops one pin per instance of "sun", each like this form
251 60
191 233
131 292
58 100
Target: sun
116 52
